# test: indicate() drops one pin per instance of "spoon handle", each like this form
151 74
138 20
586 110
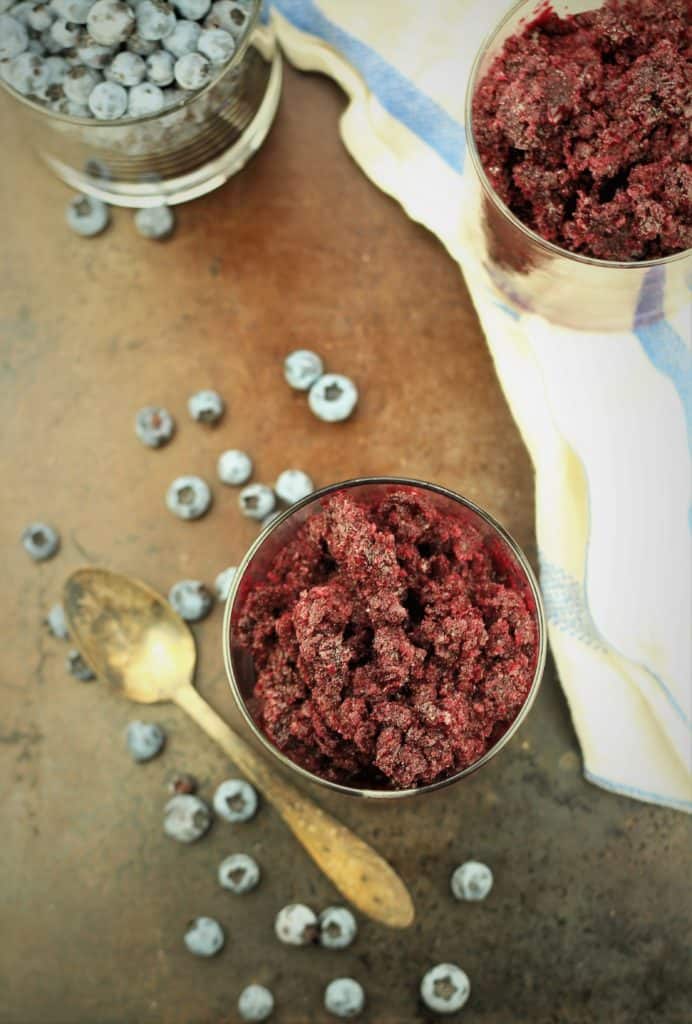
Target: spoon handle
358 872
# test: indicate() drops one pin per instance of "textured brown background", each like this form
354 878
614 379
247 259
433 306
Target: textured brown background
589 919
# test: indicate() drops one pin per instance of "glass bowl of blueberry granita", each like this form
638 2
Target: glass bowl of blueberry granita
579 160
384 637
141 102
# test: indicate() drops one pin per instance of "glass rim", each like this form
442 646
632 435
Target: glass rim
128 122
550 247
496 528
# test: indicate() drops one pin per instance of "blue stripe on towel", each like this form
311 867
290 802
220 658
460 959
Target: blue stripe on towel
643 794
397 94
566 606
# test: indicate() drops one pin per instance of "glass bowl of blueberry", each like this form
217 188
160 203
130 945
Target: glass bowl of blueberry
384 637
141 102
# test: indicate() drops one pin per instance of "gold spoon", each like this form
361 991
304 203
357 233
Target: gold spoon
133 639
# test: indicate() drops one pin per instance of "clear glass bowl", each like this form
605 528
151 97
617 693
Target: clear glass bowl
239 665
178 154
535 276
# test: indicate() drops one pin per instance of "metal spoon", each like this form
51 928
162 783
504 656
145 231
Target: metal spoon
133 639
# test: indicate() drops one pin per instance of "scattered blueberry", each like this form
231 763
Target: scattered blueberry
216 44
206 406
186 818
77 667
471 881
302 368
110 22
296 925
192 71
145 99
234 467
255 1004
87 216
40 541
292 485
239 873
344 997
191 600
235 800
108 101
57 623
183 39
445 988
188 497
224 581
159 70
333 397
155 222
338 928
145 740
154 426
204 936
181 783
127 69
256 501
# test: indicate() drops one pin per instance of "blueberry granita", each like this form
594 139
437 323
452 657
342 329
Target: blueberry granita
582 127
392 642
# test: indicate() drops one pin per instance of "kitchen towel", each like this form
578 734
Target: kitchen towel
606 419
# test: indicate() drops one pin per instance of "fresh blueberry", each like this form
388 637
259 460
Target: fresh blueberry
188 497
302 368
108 101
57 623
224 582
159 70
110 22
255 1004
183 38
28 74
76 11
186 818
50 45
181 782
56 68
296 925
192 71
235 800
333 397
40 18
216 44
77 667
155 222
344 997
239 873
192 9
471 881
154 426
155 19
145 99
126 69
206 406
445 988
204 936
65 33
191 600
292 485
94 55
79 82
256 501
229 15
136 44
145 740
234 467
40 541
13 37
338 928
87 216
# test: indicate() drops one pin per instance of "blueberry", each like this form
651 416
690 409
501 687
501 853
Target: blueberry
235 800
78 83
224 582
108 101
154 221
333 397
145 740
338 928
192 9
239 873
136 44
110 22
188 497
191 600
40 541
40 18
206 406
471 881
65 33
87 216
186 818
216 44
145 99
154 426
183 38
344 997
192 71
13 37
50 44
56 68
255 1004
57 623
296 925
234 467
28 74
155 19
76 11
292 485
228 15
204 936
77 667
302 368
445 988
93 54
181 782
256 501
159 69
126 69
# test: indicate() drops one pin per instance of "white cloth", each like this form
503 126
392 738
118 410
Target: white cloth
607 421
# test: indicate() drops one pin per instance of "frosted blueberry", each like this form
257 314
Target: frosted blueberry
155 222
256 501
204 936
445 988
40 18
344 997
234 467
296 925
224 581
239 873
216 44
155 19
145 99
186 818
154 426
93 54
188 497
78 83
192 71
110 22
292 485
255 1004
77 667
338 928
191 600
192 9
65 33
108 101
235 800
57 623
126 68
76 11
136 44
28 75
159 68
471 881
229 15
302 368
87 216
40 541
145 740
333 397
13 37
206 406
183 38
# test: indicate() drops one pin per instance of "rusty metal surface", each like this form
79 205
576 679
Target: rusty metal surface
588 920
